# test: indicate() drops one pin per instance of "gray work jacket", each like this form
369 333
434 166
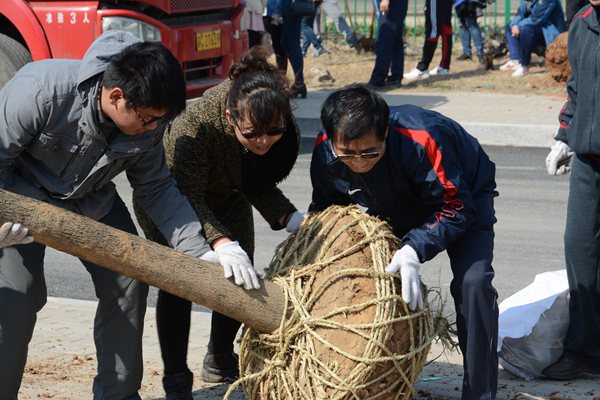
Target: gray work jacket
56 146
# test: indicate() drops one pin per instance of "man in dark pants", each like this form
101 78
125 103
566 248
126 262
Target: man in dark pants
438 22
389 48
578 141
434 184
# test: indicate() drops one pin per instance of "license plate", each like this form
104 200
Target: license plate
208 40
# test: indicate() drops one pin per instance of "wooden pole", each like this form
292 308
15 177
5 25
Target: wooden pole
185 276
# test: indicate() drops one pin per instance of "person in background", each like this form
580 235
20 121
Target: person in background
468 11
536 24
577 149
389 47
310 37
281 15
572 7
252 20
438 22
227 152
332 9
67 128
433 183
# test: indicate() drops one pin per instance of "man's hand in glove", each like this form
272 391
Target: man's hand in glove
294 222
559 158
12 234
406 261
236 263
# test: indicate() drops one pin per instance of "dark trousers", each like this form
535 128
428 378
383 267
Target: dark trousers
290 42
173 324
275 32
582 256
520 48
389 48
438 22
118 324
475 300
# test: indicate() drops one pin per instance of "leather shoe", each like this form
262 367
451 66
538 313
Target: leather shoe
570 366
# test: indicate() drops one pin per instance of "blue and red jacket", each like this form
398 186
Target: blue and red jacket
427 185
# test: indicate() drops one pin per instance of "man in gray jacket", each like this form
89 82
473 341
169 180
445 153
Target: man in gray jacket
67 128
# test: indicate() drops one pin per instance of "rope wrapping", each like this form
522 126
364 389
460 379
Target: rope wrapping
347 333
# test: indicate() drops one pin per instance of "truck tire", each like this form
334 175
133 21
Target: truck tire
13 55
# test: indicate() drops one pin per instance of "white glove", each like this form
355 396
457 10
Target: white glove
557 162
211 256
236 263
406 261
294 222
277 19
11 234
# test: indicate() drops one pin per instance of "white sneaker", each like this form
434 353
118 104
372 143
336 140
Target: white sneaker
520 71
510 65
439 71
416 74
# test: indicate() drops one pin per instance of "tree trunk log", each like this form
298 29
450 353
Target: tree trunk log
185 276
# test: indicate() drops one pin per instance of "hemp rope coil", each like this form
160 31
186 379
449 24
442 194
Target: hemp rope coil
347 333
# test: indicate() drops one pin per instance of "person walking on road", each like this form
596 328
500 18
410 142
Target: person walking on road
577 149
67 128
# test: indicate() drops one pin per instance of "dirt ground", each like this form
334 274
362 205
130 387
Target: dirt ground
346 66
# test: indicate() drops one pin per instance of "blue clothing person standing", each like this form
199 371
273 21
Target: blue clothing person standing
467 12
389 48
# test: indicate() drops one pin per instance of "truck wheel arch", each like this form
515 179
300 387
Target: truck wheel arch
19 15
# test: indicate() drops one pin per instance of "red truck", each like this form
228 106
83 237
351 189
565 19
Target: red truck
204 35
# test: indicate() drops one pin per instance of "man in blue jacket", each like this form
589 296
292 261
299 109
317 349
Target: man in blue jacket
434 184
536 24
67 128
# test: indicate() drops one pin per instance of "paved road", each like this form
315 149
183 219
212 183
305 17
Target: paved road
530 212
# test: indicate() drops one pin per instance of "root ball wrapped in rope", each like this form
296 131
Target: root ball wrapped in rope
347 333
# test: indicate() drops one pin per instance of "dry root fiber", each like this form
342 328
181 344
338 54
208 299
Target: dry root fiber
347 333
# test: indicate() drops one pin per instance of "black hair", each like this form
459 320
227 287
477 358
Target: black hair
355 111
260 91
149 76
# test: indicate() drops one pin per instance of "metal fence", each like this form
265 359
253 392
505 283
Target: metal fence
360 14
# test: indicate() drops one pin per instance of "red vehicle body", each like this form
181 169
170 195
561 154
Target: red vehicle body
204 35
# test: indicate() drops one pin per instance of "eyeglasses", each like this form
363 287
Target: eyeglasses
258 133
367 156
150 120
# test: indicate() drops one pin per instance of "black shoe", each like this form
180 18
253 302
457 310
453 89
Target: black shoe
463 57
220 368
179 386
482 60
570 366
298 91
393 83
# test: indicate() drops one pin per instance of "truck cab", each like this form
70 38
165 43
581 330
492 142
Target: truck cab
204 35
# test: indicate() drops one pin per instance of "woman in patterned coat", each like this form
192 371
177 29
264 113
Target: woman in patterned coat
227 151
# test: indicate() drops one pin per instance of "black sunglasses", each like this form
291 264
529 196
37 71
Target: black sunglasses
258 133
